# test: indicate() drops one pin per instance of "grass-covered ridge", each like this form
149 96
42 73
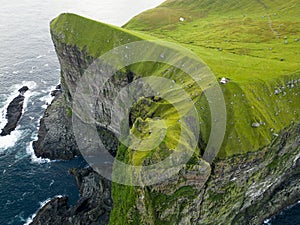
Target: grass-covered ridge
254 43
250 96
240 39
94 37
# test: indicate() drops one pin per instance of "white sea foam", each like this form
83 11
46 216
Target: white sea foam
42 204
9 140
40 56
52 182
30 84
33 157
27 98
47 99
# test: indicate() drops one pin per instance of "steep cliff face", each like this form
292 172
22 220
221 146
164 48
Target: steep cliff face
256 173
256 185
55 137
243 189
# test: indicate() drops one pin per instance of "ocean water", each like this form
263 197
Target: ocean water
27 57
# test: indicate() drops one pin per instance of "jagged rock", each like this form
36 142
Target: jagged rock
254 186
14 112
244 189
55 137
13 115
55 92
23 89
93 207
58 87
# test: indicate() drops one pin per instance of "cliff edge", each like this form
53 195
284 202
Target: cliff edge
256 172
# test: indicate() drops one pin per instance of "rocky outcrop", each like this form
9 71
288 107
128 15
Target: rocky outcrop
56 91
14 112
55 137
249 188
241 190
93 208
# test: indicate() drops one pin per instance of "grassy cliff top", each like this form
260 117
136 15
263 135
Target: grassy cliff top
254 43
243 40
93 36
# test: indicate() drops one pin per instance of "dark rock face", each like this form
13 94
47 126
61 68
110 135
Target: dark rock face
55 137
249 188
241 190
93 207
56 91
23 89
14 112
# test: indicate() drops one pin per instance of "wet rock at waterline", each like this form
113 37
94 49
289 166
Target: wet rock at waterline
93 207
14 112
55 136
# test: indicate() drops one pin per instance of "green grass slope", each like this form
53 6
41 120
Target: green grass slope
235 40
255 44
253 36
94 37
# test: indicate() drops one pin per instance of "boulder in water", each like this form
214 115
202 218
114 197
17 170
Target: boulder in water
13 115
23 89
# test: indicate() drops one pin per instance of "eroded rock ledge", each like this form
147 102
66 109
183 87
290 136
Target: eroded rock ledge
93 207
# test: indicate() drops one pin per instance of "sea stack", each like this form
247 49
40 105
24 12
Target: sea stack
14 112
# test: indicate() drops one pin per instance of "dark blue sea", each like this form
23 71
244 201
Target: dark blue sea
27 57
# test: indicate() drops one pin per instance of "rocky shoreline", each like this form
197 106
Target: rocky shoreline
56 141
93 207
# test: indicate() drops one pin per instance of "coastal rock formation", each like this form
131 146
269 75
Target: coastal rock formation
56 91
242 190
55 137
255 175
256 185
93 208
14 112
